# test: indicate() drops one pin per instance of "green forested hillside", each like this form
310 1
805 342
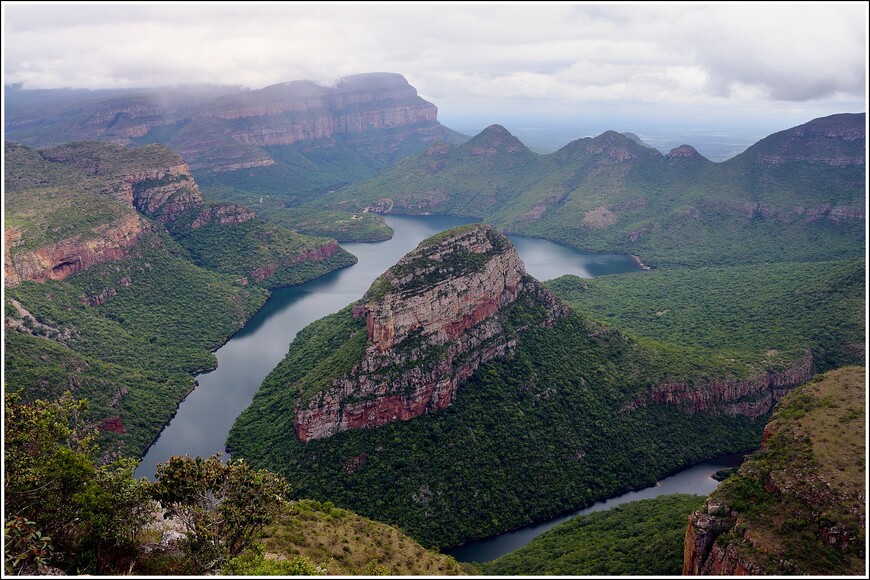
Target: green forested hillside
751 312
133 355
120 308
795 196
528 437
639 538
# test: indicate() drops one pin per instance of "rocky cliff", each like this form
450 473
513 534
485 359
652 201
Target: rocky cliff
81 204
55 261
431 320
751 397
224 129
798 506
302 110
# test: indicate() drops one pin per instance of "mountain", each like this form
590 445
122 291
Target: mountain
290 138
120 280
459 398
797 195
798 505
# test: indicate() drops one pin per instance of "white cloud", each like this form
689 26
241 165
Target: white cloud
553 52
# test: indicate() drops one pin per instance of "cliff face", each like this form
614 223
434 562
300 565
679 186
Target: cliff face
431 320
52 237
111 241
752 397
285 114
222 129
798 505
154 181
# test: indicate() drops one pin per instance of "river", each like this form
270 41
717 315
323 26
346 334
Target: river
203 420
694 480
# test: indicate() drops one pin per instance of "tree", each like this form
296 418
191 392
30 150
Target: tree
222 506
60 507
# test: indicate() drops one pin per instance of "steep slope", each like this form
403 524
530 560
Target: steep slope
103 301
639 538
343 543
797 506
459 399
114 183
794 196
283 139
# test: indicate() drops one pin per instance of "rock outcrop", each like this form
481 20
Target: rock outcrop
109 242
431 320
751 397
797 506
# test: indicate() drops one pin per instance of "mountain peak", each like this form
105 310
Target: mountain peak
495 140
430 321
684 152
618 146
837 140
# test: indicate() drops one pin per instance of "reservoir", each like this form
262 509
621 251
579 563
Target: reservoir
204 418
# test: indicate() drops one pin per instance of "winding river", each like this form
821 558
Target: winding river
203 420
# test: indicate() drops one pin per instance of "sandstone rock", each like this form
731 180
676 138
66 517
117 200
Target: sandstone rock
431 320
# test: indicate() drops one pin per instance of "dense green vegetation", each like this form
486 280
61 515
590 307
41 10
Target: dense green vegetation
127 333
64 514
257 250
339 225
58 506
640 538
801 497
608 193
132 355
528 437
754 313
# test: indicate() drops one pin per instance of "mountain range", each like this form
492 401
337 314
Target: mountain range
794 196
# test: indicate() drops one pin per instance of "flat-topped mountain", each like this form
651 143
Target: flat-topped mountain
312 137
804 186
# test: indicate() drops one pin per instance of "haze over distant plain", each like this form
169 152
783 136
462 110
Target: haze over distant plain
724 75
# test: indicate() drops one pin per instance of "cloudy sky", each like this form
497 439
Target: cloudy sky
726 64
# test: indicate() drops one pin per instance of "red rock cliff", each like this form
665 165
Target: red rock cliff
302 110
751 397
431 320
797 506
111 241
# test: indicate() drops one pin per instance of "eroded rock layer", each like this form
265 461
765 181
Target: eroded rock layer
431 320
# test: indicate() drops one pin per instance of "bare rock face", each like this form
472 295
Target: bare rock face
223 214
431 320
112 241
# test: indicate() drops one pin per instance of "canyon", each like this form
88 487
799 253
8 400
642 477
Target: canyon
227 129
139 194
